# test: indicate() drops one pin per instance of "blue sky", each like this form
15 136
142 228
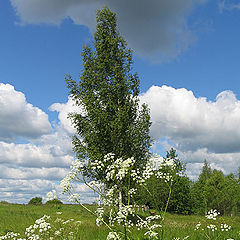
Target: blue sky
186 54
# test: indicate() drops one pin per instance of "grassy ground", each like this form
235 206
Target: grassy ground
16 218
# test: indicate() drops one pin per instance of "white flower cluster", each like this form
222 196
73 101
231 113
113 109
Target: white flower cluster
42 229
51 195
150 224
110 196
96 186
97 165
74 198
146 223
154 167
136 176
10 235
165 176
177 238
119 169
121 217
212 227
198 225
116 172
99 220
76 168
40 226
132 192
169 162
151 234
100 164
225 227
212 214
113 236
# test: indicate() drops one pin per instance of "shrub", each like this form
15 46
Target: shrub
35 201
54 201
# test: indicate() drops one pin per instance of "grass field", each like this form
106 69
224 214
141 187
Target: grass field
17 218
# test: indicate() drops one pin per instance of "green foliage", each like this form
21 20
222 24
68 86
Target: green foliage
214 190
180 166
35 201
54 202
154 194
112 120
198 193
180 200
223 193
205 174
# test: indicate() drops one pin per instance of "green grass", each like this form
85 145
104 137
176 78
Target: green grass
16 218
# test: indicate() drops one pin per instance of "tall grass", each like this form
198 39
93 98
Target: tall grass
16 218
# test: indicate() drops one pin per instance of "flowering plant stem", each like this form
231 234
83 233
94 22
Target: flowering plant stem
166 206
117 190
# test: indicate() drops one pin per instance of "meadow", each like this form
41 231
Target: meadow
17 217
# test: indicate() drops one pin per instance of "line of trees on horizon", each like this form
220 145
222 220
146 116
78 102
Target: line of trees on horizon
212 190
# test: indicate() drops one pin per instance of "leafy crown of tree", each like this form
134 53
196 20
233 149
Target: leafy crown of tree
205 174
180 167
112 120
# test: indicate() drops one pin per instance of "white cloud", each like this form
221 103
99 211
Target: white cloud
30 155
199 129
19 118
56 174
34 168
156 29
21 191
226 162
64 109
193 123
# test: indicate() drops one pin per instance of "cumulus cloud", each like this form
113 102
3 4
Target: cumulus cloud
199 129
156 29
34 168
30 155
63 110
18 117
56 174
193 123
21 191
225 162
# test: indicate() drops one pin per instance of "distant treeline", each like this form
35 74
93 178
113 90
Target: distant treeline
212 190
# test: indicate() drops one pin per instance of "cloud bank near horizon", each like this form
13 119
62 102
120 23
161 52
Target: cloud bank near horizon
197 128
157 31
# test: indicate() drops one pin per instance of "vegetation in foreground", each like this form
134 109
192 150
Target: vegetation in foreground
17 217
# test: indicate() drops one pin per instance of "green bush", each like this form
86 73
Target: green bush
35 201
54 201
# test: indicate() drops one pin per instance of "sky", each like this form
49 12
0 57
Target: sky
185 52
